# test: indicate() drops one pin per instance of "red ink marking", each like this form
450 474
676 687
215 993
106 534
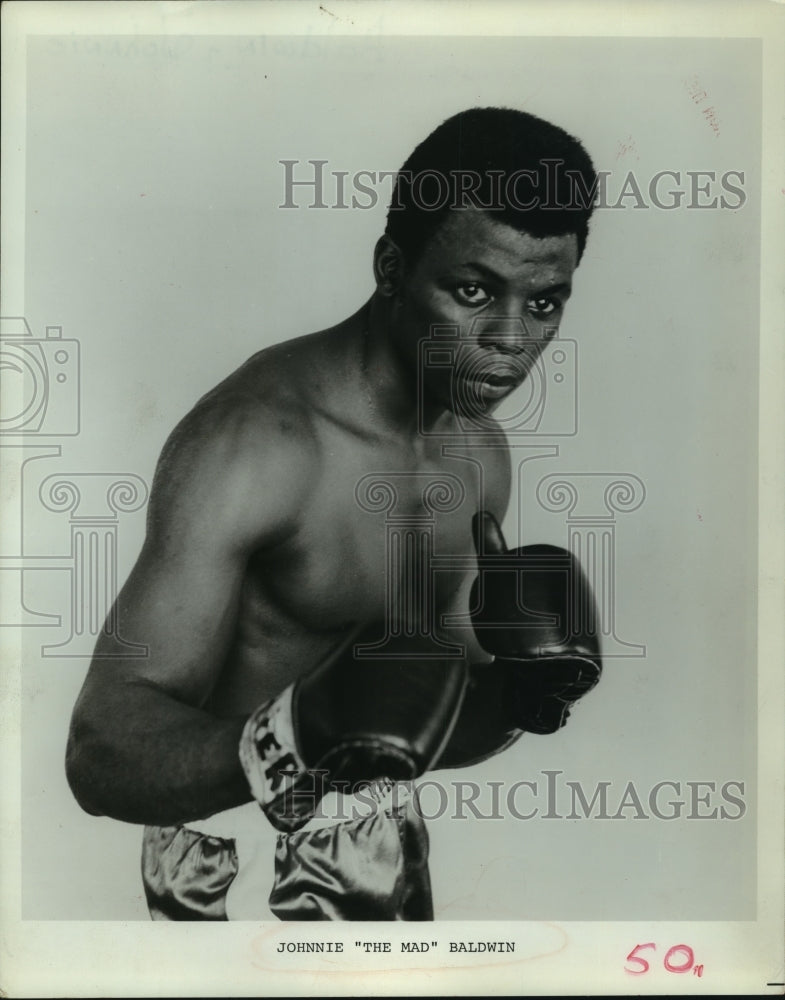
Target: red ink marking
632 957
670 962
627 147
671 966
698 96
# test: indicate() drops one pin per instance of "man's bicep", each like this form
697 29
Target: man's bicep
182 612
215 501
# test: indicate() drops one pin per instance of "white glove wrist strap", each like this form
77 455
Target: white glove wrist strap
268 749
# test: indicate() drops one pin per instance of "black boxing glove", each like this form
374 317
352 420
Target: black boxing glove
349 721
533 609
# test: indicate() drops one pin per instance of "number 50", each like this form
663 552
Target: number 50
672 966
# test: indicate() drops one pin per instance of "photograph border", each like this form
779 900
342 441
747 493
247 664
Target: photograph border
63 959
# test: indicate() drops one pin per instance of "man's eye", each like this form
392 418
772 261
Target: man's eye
543 306
473 293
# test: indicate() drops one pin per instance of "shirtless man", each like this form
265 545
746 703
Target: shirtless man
261 572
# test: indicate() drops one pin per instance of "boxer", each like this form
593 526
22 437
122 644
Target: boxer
261 577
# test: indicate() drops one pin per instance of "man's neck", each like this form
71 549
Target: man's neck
392 380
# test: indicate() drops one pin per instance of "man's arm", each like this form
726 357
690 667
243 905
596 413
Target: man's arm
540 667
141 748
484 727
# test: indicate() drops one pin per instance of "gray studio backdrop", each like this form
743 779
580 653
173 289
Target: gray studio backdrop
155 240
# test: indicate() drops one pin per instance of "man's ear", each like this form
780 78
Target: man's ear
387 266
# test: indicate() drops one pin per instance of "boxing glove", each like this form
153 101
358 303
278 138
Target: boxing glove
349 721
533 609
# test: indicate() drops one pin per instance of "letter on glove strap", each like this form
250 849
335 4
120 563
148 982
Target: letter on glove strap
349 720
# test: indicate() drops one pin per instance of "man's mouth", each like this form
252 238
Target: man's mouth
498 379
497 370
487 378
489 386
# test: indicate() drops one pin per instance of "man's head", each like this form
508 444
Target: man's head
524 171
489 264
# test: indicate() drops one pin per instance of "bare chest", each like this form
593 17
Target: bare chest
384 542
385 537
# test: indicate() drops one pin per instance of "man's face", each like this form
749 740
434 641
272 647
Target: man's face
501 291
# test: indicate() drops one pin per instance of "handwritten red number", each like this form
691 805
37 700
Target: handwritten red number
632 957
690 956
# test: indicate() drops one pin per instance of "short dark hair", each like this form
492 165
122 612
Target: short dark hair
477 158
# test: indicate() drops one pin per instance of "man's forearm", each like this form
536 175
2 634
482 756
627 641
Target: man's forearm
484 726
137 754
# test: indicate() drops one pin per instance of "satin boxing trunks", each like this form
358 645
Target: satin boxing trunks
360 858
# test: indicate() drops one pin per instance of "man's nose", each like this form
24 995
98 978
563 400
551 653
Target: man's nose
508 333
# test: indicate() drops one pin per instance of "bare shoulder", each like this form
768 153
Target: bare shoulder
241 461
